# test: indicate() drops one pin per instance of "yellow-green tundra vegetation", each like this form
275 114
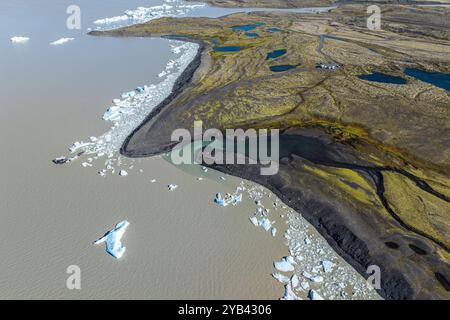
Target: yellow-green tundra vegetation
396 215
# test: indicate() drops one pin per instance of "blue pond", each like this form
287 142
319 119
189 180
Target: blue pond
441 80
215 41
381 77
274 29
252 35
275 54
227 49
282 68
248 27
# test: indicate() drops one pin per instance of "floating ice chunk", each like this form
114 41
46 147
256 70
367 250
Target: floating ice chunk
290 259
265 223
294 281
18 39
274 232
153 180
61 41
327 266
111 20
79 145
304 285
113 240
140 90
288 293
61 160
172 187
283 266
280 278
254 220
205 169
123 173
313 295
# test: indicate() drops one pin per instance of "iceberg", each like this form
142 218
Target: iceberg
280 278
112 239
123 173
313 295
18 39
233 199
294 281
274 232
327 266
254 220
288 293
61 41
172 187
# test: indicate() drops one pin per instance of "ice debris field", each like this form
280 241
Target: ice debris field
113 240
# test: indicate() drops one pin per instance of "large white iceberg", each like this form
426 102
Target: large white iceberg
112 238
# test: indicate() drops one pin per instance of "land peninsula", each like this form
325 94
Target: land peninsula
365 148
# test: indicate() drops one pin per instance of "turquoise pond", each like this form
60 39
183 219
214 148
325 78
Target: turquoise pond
276 53
383 78
438 79
251 35
248 27
274 29
282 68
227 49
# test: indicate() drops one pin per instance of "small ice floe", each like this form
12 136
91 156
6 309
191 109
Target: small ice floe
18 39
280 277
274 232
86 164
327 266
172 187
264 223
233 199
153 180
63 160
283 265
123 173
205 169
79 145
199 178
312 278
314 295
61 41
289 293
113 240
